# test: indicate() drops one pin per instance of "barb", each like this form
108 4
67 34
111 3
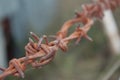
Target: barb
39 54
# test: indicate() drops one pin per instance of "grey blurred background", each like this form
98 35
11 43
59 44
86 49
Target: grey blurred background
85 61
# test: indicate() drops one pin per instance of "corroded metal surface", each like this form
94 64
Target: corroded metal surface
39 54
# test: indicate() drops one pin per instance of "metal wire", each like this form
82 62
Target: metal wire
39 54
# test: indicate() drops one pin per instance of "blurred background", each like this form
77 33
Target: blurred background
97 60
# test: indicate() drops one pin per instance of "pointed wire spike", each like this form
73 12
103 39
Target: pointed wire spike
78 40
88 38
34 36
31 40
16 65
58 42
40 42
31 32
46 39
77 14
22 75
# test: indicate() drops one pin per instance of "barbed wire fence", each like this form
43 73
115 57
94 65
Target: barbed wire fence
39 53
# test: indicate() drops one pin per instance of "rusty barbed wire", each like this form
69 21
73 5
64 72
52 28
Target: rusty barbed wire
39 54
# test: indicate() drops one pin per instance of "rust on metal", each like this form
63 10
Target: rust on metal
39 54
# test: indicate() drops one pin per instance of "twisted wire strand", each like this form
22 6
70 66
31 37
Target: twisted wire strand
39 54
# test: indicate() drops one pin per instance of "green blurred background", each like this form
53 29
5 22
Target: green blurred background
85 61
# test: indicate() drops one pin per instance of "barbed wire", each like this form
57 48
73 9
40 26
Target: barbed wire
39 54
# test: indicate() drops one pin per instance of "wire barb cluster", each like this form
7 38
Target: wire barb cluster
96 9
39 54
